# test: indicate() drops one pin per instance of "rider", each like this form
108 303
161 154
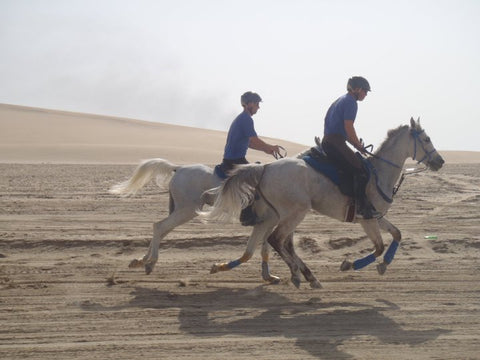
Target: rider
241 136
339 128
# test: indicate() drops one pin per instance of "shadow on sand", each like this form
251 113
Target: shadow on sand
317 327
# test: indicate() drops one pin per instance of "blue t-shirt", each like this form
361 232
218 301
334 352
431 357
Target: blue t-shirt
344 108
239 136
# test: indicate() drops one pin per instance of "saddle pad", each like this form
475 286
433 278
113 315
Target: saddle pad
325 168
220 173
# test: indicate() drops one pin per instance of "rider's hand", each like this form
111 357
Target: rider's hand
270 150
361 147
276 151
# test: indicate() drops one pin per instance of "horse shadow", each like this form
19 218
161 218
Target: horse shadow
320 328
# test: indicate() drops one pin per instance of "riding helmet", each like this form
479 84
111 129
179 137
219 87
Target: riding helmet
358 82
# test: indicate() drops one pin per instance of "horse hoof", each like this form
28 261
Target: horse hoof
135 263
214 269
272 279
315 284
149 268
296 281
381 268
346 265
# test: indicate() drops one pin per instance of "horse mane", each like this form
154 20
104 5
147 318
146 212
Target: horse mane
392 137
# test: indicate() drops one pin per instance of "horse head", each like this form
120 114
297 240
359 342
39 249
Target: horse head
423 149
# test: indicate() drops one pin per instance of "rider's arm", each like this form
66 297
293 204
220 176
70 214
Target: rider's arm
258 144
352 137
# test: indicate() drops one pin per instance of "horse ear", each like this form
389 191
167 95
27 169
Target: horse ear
412 123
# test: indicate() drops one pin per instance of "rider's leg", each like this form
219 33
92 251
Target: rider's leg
345 158
247 216
364 207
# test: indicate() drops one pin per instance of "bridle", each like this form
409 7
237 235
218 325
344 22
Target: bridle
416 136
428 155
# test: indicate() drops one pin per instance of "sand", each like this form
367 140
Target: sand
66 291
34 135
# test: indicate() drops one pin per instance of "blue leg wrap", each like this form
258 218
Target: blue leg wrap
233 264
361 263
390 252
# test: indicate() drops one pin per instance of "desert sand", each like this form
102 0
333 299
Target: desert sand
66 291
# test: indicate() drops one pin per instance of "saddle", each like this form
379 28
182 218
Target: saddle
320 162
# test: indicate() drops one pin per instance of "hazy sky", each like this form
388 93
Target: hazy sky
187 62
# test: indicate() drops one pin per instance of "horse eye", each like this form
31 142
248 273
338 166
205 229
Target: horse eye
427 139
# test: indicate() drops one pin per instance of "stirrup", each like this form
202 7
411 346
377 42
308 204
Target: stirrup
371 215
367 212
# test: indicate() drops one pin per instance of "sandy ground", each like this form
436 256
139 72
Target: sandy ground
66 291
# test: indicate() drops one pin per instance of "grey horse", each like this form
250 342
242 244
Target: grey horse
289 188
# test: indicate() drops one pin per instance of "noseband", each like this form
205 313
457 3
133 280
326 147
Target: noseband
428 154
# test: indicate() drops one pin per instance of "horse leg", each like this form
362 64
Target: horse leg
314 283
265 268
279 241
397 236
276 241
160 230
372 229
259 233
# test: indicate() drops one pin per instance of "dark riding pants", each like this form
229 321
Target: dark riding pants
229 164
337 150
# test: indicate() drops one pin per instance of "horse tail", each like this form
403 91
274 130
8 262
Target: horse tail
236 192
162 169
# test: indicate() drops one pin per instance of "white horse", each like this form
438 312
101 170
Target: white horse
289 188
187 188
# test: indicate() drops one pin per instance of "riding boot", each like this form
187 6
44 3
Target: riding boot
364 207
248 216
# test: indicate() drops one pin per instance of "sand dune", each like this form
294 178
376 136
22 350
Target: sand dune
32 135
39 135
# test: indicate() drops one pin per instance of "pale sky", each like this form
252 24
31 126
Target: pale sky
187 62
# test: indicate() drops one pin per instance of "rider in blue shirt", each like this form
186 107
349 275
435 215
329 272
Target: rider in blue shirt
339 129
241 136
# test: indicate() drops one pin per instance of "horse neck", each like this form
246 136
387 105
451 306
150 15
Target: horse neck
394 152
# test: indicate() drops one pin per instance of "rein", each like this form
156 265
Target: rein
407 172
379 157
